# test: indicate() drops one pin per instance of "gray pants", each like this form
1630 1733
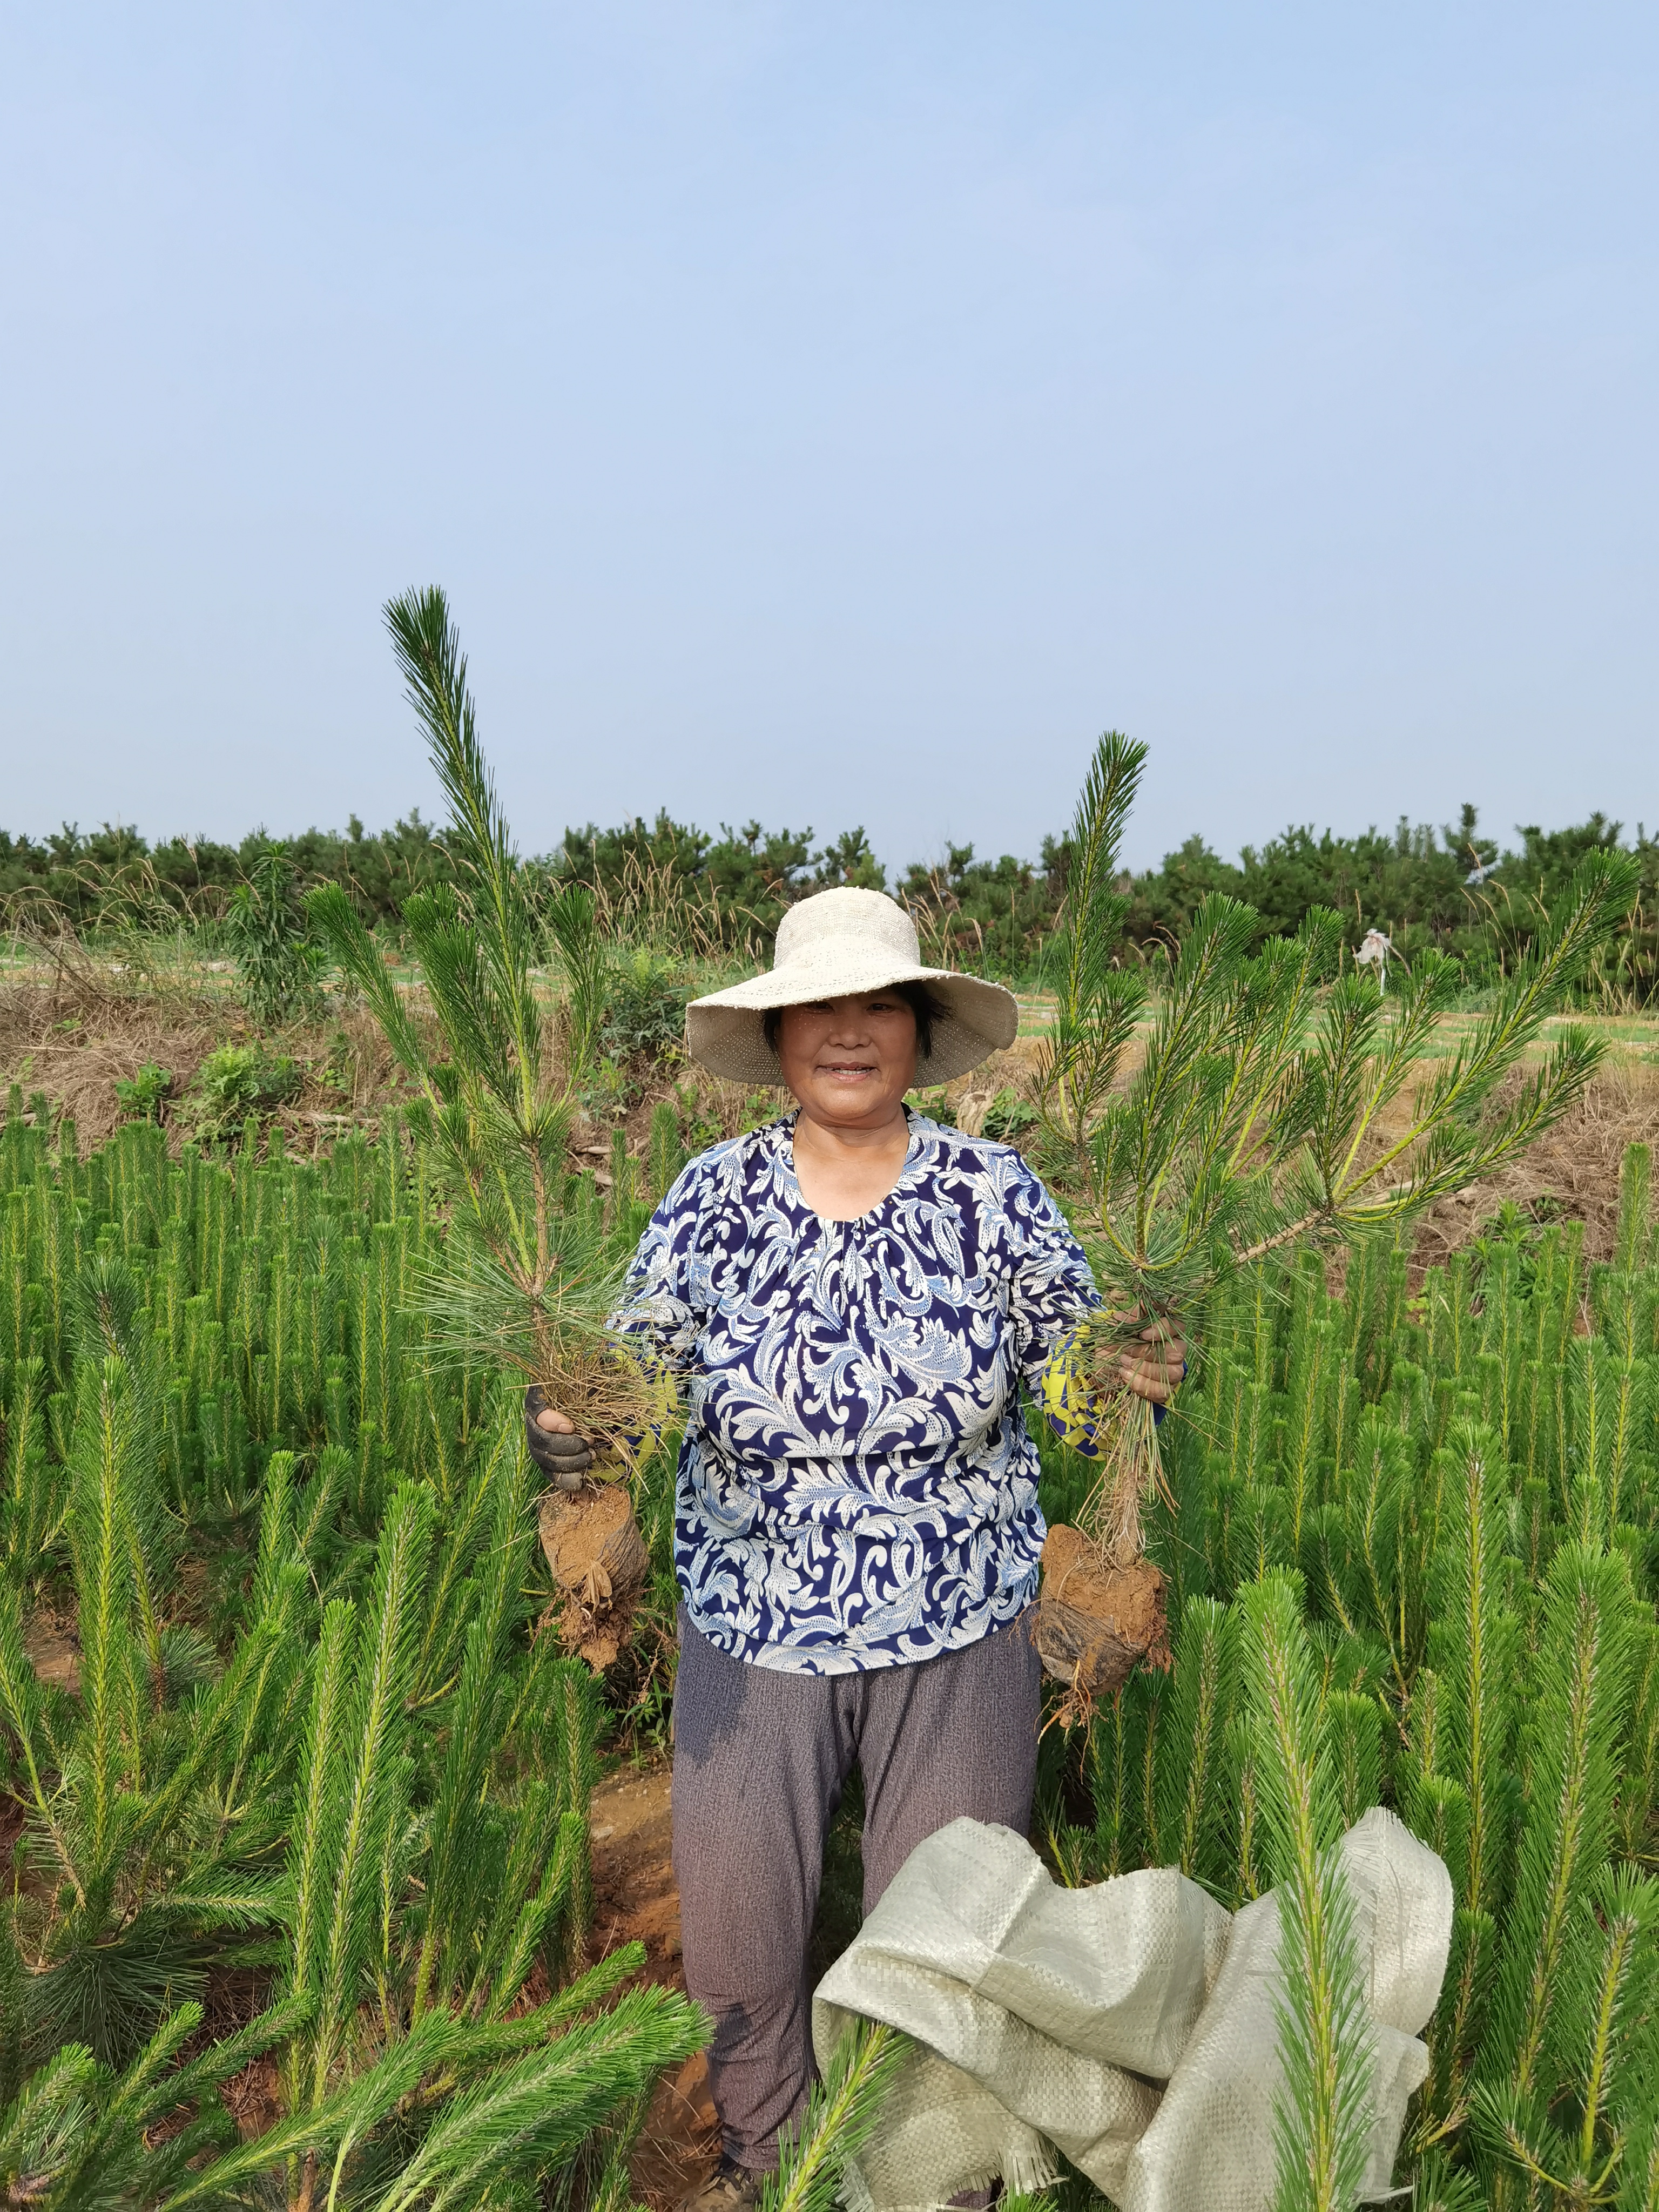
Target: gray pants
759 1758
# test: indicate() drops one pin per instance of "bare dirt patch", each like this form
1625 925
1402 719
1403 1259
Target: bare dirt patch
73 1031
636 1900
50 1644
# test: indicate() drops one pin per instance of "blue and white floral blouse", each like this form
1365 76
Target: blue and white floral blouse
857 1488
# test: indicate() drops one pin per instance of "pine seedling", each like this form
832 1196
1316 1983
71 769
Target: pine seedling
522 1276
35 1500
1577 1725
1437 1811
840 2116
1191 1752
1322 2115
1256 1118
1113 1763
1353 1726
1250 1877
454 1894
1601 2025
1472 1646
368 1790
1569 2133
1459 2017
1633 1241
113 1697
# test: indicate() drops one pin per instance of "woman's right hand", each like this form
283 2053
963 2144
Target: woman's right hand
562 1455
1151 1362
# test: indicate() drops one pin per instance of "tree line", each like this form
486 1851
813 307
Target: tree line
1455 887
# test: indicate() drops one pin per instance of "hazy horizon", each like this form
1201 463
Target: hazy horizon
833 416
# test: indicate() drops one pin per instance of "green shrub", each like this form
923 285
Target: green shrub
278 962
1008 1117
237 1081
645 1011
139 1096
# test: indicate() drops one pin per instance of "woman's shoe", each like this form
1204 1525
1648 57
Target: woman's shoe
729 2188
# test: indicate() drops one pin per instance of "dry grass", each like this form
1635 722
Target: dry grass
72 1031
72 1036
1572 1172
74 1023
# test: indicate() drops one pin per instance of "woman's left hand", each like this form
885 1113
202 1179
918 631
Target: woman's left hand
1150 1365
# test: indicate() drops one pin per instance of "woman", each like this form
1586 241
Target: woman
854 1297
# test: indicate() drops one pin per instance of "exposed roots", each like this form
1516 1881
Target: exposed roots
611 1399
1131 1471
1101 1610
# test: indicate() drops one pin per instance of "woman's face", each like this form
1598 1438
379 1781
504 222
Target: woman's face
849 1061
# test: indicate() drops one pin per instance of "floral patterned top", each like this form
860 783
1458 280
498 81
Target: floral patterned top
857 1488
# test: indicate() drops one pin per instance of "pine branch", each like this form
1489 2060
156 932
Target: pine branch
1575 1728
840 2119
535 2111
1323 2118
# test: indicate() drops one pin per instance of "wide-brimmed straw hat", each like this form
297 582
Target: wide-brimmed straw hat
836 945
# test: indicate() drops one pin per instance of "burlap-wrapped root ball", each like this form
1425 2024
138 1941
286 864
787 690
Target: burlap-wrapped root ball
600 1564
1096 1622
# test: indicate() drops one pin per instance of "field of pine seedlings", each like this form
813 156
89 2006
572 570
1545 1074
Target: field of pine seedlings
300 1731
297 1794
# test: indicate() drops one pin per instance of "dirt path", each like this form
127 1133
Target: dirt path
635 1900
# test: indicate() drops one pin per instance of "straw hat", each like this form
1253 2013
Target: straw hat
831 946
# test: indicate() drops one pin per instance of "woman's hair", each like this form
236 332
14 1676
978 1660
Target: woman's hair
927 1005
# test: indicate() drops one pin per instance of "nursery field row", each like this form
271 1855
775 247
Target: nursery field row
1443 1513
310 1793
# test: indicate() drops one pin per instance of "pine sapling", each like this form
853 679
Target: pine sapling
839 2120
1274 1101
523 1276
1322 2119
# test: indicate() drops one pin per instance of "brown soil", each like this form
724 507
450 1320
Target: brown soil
1097 1623
636 1900
598 1560
49 1641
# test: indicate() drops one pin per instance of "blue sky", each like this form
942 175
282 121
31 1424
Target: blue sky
833 414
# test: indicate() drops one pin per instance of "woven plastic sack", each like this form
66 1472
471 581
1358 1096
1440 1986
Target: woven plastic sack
1132 2025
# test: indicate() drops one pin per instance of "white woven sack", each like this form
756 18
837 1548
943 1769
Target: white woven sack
1049 2018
